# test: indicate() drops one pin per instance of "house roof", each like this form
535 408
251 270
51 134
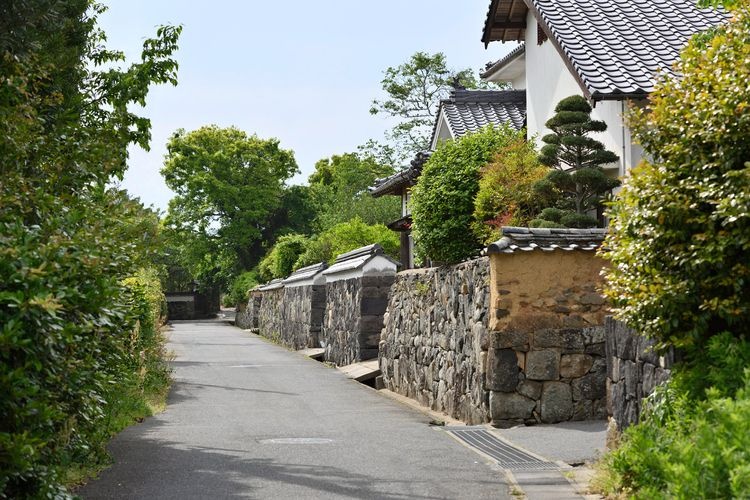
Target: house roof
356 259
513 55
467 111
524 239
615 48
405 178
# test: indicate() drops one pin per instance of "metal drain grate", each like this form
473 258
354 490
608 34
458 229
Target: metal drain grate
507 456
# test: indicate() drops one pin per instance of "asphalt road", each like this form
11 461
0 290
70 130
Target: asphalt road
250 419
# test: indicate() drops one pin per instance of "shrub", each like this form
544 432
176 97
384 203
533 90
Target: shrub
279 261
345 237
680 230
692 441
577 182
443 199
242 284
506 194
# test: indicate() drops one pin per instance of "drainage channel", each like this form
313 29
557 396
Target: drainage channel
507 456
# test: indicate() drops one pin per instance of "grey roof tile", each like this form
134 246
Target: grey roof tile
468 111
616 47
524 239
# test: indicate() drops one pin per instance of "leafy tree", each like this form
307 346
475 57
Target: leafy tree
279 261
443 199
345 237
506 195
577 183
339 192
227 186
414 90
77 335
680 229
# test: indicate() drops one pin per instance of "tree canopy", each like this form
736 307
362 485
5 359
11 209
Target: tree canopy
339 192
413 92
228 185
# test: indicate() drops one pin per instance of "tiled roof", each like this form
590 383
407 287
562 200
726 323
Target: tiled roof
407 177
468 111
500 63
306 273
358 258
272 285
615 47
524 239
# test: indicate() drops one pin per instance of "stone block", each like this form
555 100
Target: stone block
591 386
530 389
373 306
510 340
594 335
592 299
502 370
583 410
543 365
557 402
510 406
596 349
575 365
570 340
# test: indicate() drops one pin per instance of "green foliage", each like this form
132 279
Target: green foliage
279 261
443 199
228 185
345 237
577 182
506 194
692 441
78 347
339 192
680 230
414 90
242 284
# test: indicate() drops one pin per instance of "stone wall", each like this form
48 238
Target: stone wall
633 370
434 343
302 313
270 314
546 361
353 318
247 314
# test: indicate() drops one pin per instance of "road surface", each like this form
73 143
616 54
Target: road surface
249 419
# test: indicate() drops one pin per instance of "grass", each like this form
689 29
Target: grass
129 404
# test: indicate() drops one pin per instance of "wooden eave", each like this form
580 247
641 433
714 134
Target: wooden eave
506 21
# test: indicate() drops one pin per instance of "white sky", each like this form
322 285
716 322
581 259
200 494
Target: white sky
303 72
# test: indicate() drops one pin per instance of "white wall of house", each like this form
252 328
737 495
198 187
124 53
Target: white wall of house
547 80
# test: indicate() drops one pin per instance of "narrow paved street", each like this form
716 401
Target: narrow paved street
250 419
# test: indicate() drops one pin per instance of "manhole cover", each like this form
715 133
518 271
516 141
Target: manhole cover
297 440
507 456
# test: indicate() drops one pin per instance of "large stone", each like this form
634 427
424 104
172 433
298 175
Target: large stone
510 406
530 389
575 365
570 339
557 402
543 365
502 372
591 386
510 340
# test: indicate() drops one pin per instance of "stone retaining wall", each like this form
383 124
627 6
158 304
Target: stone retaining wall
270 314
247 314
547 358
302 316
353 318
434 343
633 370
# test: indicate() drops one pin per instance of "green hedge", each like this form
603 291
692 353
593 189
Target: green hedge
443 199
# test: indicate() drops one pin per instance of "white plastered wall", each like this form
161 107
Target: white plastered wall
548 80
